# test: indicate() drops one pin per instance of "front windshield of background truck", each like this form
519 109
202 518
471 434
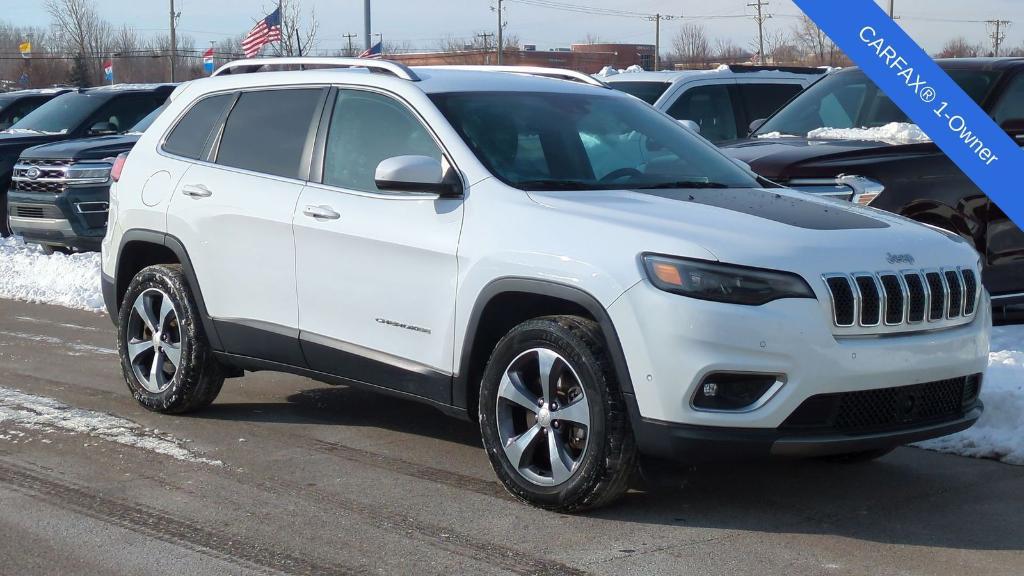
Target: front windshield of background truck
61 114
647 91
567 141
848 99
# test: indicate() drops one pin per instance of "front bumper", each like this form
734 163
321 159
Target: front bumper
672 342
75 218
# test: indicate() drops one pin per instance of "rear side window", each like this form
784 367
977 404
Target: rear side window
191 135
367 128
762 100
647 91
266 131
711 108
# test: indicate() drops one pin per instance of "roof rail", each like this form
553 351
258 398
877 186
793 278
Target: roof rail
256 64
571 75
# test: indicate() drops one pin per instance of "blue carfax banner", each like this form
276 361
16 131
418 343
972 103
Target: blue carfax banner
927 95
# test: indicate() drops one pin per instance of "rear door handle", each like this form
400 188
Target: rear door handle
321 212
196 191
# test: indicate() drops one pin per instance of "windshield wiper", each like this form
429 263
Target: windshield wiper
680 184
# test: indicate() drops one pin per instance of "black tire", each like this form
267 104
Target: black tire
858 457
605 464
198 377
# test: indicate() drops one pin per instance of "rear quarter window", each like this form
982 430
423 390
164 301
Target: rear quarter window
191 135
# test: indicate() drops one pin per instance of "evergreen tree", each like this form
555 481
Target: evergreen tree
79 74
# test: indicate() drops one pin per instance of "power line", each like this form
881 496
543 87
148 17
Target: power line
760 19
998 33
657 18
349 37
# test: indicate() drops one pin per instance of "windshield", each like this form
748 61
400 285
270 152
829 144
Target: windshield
850 100
647 91
141 125
564 141
62 114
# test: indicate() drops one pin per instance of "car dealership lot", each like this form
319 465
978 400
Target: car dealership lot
319 479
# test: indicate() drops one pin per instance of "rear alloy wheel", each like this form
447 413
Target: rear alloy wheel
166 360
552 417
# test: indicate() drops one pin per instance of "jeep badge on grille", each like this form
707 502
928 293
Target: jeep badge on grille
899 258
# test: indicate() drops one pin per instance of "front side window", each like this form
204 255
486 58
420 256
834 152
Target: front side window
572 141
711 108
849 99
367 128
266 131
123 112
191 135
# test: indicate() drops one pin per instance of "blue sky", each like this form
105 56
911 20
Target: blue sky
424 22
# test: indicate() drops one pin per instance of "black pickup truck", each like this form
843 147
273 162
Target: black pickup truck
16 105
844 138
103 111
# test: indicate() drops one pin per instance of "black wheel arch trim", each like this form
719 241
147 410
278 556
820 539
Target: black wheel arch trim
533 286
178 248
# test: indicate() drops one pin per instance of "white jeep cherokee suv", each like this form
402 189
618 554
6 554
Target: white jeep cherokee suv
558 260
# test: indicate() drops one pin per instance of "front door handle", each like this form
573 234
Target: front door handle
321 212
196 191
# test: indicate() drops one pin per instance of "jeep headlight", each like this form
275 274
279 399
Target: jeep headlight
723 282
95 172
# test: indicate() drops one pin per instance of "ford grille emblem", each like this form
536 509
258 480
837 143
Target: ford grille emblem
899 258
32 173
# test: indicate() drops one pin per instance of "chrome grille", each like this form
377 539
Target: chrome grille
870 299
51 176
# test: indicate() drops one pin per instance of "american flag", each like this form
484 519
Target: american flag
264 32
373 51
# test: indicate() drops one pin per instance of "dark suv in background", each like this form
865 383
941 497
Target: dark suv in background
16 105
69 213
104 111
909 177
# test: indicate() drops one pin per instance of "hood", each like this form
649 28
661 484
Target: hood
83 148
13 144
775 158
777 228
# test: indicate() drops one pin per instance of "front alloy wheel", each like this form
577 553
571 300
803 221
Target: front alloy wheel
543 417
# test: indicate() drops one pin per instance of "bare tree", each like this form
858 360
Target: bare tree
959 47
295 31
592 39
728 52
813 41
79 30
692 47
780 49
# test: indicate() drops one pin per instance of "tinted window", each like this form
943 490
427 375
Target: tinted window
763 100
191 135
367 128
711 108
64 113
1011 106
647 91
266 131
564 141
123 112
17 108
850 100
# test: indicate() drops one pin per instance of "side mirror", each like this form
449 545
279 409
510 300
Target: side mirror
102 129
756 124
691 125
1014 127
416 174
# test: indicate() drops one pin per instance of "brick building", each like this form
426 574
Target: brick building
588 58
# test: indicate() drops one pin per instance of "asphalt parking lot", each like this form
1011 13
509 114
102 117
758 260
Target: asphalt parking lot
286 475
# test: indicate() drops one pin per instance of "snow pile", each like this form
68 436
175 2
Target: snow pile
607 71
26 273
894 132
775 135
999 434
49 415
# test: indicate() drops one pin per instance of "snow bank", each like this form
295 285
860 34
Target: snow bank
895 132
26 273
999 434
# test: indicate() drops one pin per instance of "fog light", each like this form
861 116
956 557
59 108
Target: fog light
732 391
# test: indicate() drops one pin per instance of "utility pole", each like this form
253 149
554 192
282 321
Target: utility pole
485 36
760 19
366 24
349 37
998 34
657 18
501 24
892 9
174 39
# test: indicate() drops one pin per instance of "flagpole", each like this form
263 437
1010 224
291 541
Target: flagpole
280 15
